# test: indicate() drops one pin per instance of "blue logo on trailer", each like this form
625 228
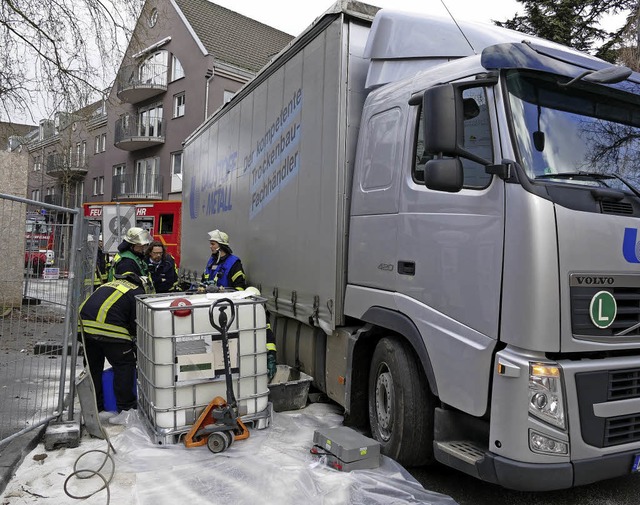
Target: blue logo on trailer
630 245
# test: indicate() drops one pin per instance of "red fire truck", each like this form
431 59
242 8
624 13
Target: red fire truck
162 219
39 239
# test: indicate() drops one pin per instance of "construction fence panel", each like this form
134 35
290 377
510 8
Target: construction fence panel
47 265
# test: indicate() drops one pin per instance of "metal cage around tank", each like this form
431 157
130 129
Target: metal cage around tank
180 362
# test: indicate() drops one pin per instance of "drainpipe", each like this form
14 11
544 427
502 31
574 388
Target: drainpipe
209 75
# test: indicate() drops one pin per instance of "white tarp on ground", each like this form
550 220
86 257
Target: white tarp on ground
272 466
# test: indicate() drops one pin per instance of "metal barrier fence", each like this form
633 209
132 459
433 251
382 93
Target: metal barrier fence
47 265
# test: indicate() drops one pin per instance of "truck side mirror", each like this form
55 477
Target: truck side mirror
445 111
444 175
440 120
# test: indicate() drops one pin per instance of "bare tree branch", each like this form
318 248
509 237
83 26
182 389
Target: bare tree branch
59 53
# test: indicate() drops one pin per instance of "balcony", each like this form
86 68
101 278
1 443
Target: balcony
138 132
65 167
136 83
142 186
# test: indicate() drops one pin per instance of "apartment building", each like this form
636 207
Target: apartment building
186 58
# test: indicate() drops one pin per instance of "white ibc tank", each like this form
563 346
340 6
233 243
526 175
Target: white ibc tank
180 359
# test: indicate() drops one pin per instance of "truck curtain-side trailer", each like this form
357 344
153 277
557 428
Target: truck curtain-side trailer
444 222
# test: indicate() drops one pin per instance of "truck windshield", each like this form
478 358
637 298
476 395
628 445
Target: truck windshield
583 134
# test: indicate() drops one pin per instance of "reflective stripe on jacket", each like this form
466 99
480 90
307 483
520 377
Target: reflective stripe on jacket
110 311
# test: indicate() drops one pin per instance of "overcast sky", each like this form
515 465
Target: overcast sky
293 16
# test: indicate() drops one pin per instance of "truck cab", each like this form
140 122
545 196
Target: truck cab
493 250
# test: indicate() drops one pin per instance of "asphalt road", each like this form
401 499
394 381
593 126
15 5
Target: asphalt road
467 490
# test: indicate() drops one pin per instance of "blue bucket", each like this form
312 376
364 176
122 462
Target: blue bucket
107 390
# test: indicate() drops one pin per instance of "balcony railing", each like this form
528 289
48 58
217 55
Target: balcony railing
139 132
61 166
136 83
147 186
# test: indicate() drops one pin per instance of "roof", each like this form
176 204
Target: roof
231 37
13 129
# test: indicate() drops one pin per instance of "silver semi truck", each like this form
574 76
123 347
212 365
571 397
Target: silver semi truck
444 219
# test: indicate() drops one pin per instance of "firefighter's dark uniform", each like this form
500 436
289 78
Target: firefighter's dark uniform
164 274
102 265
125 261
107 318
225 272
102 269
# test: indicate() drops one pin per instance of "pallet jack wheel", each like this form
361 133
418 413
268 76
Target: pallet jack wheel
230 436
217 442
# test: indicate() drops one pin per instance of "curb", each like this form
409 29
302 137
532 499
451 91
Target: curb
12 456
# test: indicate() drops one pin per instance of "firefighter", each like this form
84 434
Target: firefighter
96 280
162 268
102 264
130 255
272 362
108 329
223 270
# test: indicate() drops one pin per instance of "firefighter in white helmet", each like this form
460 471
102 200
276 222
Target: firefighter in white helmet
224 269
130 255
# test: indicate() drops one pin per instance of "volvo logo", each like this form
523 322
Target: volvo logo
595 281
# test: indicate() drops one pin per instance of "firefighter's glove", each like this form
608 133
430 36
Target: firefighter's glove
272 364
212 288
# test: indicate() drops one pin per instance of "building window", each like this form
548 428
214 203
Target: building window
178 105
84 153
176 171
101 185
150 121
37 164
95 186
119 184
176 163
35 195
78 154
228 95
146 176
177 72
96 148
153 70
103 142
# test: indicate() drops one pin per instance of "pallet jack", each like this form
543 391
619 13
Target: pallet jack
219 425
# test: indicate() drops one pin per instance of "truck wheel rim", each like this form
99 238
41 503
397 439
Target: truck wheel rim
384 401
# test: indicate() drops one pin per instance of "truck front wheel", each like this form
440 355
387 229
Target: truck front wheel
400 404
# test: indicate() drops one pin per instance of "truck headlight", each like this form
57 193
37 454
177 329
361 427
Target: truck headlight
545 393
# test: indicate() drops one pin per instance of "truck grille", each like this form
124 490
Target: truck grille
624 384
622 430
602 387
628 314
